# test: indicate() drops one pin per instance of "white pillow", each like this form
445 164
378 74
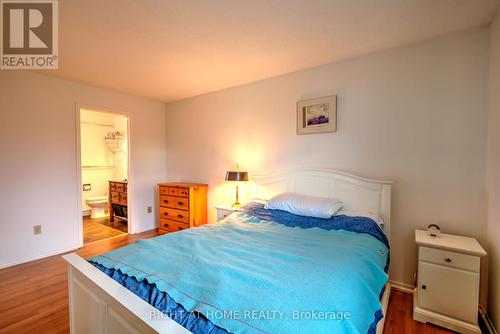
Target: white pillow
303 205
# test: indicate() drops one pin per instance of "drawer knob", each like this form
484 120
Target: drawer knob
165 225
447 259
180 216
424 287
165 213
180 203
165 201
180 228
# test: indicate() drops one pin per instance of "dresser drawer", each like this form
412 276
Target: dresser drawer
174 202
115 197
172 226
123 199
171 191
183 192
174 214
449 259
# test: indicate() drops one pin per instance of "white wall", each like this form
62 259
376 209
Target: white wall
97 161
493 179
38 183
415 115
120 159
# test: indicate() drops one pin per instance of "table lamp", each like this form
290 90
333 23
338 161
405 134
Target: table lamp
236 176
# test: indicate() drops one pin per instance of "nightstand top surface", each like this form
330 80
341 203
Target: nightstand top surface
226 207
450 242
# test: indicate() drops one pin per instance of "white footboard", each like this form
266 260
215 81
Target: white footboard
385 304
98 304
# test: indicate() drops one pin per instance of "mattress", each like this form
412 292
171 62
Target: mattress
261 260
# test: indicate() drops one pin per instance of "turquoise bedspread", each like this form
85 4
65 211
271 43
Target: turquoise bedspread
247 275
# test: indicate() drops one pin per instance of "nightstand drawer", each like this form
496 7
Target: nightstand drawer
173 214
172 226
449 259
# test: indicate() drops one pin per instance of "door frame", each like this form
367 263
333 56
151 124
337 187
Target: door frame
79 185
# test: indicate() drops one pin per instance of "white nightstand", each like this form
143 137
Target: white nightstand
224 210
447 292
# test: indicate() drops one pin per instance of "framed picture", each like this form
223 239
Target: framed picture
317 115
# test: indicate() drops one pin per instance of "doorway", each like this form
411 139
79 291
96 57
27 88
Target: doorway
104 170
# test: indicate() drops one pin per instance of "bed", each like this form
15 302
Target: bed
266 267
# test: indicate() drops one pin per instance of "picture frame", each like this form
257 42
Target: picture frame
317 115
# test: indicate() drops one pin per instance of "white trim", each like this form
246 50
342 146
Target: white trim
130 179
79 184
424 316
39 257
385 305
487 320
403 287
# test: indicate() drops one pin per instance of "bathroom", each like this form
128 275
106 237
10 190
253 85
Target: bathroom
104 170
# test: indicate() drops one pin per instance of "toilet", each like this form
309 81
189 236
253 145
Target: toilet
98 206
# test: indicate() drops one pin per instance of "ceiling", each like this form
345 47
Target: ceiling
173 49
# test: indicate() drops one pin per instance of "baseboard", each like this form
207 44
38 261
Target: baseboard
486 321
37 257
402 287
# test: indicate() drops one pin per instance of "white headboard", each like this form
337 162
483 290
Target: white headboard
357 193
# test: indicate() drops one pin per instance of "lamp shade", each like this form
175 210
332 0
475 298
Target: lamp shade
236 176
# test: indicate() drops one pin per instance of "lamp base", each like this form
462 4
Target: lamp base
236 204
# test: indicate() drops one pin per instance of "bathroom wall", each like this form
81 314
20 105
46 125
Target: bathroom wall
97 160
120 159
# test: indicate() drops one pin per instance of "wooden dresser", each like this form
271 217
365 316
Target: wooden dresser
118 200
182 205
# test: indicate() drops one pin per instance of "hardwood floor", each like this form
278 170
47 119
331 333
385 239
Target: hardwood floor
399 318
101 228
34 297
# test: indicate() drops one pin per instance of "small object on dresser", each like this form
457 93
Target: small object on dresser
434 230
182 206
